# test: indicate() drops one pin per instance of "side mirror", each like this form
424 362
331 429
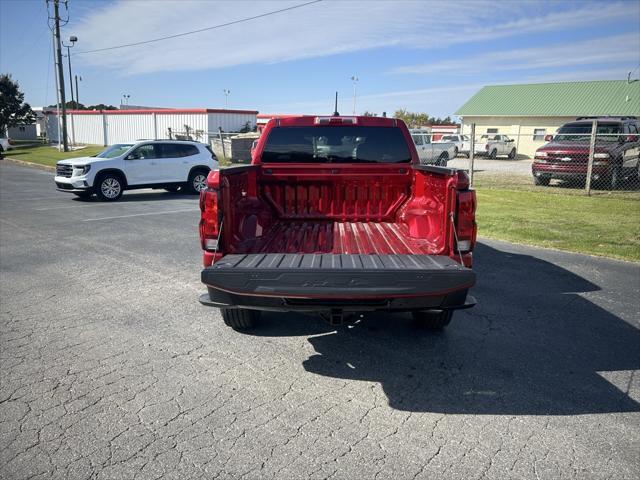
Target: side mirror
548 138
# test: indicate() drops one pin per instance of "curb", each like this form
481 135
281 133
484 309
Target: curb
30 164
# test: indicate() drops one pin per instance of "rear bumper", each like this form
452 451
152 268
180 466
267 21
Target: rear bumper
316 283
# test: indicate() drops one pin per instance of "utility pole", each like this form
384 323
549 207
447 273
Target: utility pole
63 100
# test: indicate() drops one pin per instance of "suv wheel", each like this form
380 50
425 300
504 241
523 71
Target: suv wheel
493 154
512 154
455 152
543 180
238 318
433 320
109 187
197 181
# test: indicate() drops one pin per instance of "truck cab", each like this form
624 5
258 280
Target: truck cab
337 215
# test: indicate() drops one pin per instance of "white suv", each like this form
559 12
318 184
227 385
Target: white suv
170 164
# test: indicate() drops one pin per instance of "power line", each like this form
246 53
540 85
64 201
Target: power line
202 29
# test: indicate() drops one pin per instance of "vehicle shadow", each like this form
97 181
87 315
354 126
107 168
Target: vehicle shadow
133 196
532 346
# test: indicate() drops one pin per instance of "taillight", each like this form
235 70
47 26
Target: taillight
209 228
466 229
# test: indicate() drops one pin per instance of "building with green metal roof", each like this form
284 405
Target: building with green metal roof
528 112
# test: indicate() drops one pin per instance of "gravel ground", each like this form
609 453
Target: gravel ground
112 369
519 166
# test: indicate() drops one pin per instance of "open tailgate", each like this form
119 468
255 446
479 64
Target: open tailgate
338 275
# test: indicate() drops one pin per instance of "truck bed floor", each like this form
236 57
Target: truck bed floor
340 237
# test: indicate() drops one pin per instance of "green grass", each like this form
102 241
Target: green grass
46 155
594 225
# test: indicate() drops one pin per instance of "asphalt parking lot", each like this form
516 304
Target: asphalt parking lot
112 369
518 166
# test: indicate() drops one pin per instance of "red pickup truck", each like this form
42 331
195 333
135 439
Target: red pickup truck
335 215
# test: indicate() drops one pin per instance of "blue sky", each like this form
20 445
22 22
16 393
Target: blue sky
419 55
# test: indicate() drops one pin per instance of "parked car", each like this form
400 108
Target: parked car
337 215
167 164
5 144
462 143
430 152
566 156
493 145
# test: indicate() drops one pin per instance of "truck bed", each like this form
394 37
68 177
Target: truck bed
340 237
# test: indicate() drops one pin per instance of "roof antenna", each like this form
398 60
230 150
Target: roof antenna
335 111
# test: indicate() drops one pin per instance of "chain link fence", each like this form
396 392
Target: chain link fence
586 157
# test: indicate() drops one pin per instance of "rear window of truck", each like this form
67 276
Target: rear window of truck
336 144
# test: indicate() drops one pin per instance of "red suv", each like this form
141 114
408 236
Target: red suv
566 156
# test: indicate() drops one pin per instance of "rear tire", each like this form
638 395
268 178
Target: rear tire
512 154
442 160
238 318
544 181
455 152
109 187
197 181
433 320
493 154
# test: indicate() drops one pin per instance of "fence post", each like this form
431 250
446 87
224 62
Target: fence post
224 154
592 147
472 154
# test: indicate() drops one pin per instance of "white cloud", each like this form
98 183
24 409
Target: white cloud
615 49
322 29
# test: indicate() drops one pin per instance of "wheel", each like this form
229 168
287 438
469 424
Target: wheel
109 187
83 195
197 181
238 318
172 189
512 154
442 160
541 180
615 179
433 320
455 152
493 154
1 152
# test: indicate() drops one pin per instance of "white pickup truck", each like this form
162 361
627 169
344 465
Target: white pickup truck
462 143
492 145
431 153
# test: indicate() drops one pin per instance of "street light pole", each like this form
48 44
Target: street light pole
73 41
77 94
354 79
226 97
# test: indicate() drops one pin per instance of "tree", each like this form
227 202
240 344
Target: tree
101 106
412 119
367 113
13 110
71 105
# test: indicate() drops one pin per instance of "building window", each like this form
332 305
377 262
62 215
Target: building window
538 134
492 130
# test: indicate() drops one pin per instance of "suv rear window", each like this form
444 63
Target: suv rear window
336 144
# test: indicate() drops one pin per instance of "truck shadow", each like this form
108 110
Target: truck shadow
532 346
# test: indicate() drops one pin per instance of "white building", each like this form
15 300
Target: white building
106 127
